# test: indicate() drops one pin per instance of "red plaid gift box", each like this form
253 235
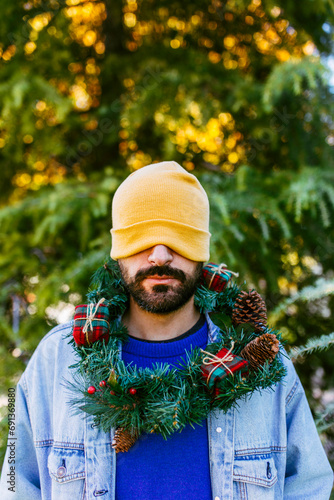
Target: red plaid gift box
215 367
216 276
91 323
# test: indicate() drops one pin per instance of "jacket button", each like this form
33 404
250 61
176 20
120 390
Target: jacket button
61 471
219 429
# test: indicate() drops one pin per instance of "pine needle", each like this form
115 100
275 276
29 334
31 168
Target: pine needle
321 289
315 344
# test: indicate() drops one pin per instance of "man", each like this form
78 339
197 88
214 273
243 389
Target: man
267 448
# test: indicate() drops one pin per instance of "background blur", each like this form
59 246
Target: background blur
238 92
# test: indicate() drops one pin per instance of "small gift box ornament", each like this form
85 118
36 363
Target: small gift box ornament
91 323
215 367
216 276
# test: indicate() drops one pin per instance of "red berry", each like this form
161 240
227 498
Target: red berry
132 391
91 389
112 393
102 383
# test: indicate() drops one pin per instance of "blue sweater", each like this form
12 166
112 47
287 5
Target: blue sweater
172 469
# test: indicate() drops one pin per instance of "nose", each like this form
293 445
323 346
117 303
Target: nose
160 255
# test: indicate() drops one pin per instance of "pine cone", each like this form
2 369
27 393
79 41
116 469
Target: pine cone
260 350
124 439
249 307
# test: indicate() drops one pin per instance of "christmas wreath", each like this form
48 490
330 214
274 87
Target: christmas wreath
165 399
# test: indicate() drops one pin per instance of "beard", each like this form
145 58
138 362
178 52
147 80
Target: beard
162 299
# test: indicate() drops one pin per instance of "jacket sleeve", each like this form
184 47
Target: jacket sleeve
308 472
20 474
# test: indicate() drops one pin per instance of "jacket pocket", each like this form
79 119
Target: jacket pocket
254 478
67 470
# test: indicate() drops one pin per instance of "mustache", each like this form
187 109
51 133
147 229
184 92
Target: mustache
168 271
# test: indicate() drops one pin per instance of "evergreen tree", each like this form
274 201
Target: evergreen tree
235 91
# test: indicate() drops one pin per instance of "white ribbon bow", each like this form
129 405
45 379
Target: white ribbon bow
210 358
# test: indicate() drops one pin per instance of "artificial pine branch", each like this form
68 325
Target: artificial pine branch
209 300
107 275
162 399
163 394
227 298
107 282
205 299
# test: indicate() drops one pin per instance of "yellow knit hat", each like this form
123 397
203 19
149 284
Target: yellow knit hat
161 204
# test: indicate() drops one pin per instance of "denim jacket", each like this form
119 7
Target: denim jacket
265 449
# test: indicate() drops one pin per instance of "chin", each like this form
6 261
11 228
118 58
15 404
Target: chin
161 288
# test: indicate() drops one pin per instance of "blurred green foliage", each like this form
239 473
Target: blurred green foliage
236 91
